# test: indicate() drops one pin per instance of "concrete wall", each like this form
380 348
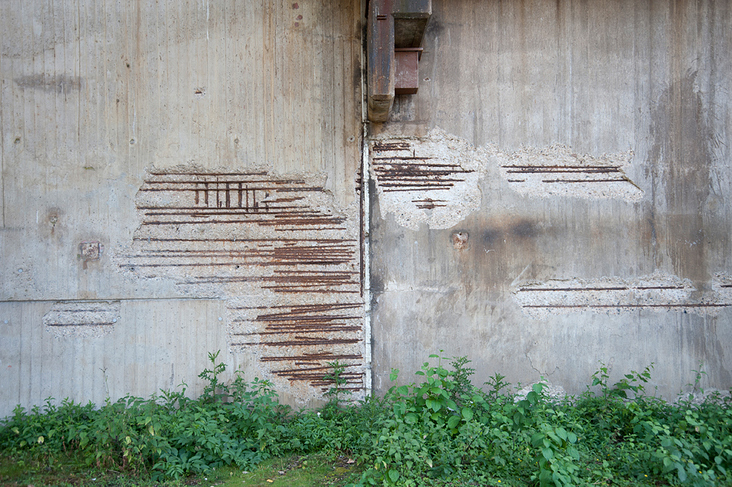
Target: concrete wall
178 178
558 193
183 177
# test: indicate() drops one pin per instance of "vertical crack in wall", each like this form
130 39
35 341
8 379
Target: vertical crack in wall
275 248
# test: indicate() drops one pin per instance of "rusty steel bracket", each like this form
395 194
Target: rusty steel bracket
393 25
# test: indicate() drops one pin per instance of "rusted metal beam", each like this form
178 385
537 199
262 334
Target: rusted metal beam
391 24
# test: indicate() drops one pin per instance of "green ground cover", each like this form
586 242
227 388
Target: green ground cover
438 431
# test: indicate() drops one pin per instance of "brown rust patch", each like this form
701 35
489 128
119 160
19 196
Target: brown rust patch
287 262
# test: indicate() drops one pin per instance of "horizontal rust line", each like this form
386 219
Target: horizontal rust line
436 178
87 310
303 308
222 209
282 262
305 221
106 323
325 328
313 329
268 240
584 181
301 343
293 290
391 146
565 171
265 211
186 173
316 273
293 221
317 380
693 305
417 188
556 166
402 158
315 357
212 189
629 288
244 257
309 369
300 317
354 377
575 289
425 167
321 229
233 190
658 287
213 183
316 250
228 211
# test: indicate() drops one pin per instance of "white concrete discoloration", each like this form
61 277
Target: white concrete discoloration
613 295
431 180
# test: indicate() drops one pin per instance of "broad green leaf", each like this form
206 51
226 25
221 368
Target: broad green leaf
547 453
393 475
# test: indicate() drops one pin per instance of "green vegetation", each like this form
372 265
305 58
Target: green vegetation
439 431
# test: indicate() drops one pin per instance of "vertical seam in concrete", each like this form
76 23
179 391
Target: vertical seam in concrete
78 106
365 215
366 256
2 147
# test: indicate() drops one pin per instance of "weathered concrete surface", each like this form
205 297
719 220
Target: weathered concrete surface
604 228
121 123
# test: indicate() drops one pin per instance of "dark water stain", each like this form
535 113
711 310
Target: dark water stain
524 229
680 161
59 83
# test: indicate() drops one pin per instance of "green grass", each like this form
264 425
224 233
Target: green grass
439 432
287 471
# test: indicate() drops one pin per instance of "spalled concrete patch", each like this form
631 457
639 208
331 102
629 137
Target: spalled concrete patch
277 250
82 318
615 295
432 180
558 171
435 179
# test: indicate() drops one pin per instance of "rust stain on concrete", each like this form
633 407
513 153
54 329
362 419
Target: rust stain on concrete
614 295
287 262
